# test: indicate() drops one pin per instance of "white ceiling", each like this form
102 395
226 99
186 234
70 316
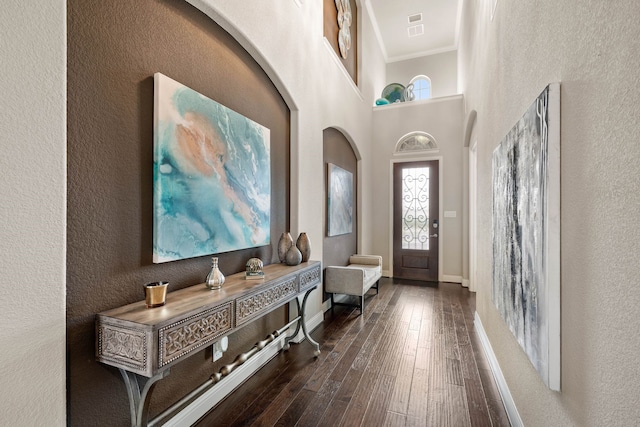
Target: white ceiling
440 18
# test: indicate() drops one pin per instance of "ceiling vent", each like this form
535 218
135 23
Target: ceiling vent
416 30
415 18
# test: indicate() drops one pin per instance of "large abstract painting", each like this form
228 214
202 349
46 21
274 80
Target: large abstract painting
212 176
340 204
526 233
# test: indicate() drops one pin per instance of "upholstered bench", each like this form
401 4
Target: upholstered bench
362 273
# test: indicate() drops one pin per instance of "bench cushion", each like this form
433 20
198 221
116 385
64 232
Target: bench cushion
356 278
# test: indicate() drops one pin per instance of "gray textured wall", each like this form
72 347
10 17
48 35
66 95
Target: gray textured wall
591 48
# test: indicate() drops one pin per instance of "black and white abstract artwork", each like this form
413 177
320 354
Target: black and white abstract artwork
340 203
526 233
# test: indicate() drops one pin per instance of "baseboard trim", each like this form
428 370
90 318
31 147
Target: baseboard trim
451 279
503 388
312 323
210 398
465 283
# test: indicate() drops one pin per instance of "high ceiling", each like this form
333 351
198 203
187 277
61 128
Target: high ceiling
439 23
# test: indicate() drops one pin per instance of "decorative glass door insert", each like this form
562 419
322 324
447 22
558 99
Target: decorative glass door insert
415 208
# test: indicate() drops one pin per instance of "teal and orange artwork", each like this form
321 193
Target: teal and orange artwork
212 176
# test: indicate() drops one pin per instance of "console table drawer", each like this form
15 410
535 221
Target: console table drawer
309 278
124 346
254 305
181 338
148 342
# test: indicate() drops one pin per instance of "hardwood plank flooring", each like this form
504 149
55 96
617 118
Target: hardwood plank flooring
412 359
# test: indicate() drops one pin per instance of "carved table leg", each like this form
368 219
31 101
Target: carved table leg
139 399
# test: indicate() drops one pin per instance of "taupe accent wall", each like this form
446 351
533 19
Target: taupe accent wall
331 29
336 250
114 48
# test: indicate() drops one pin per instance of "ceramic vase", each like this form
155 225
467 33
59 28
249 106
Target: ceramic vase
215 278
304 246
283 246
294 257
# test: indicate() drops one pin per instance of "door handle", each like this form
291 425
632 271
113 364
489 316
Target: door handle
433 235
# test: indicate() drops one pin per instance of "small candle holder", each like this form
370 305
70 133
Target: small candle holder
155 294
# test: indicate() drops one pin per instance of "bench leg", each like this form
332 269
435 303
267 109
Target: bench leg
362 304
377 286
332 304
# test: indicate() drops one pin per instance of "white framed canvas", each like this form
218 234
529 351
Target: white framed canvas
212 176
526 233
340 201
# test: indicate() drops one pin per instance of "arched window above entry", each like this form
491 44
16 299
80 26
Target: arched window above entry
421 87
415 142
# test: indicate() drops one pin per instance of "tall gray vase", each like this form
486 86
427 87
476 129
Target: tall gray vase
304 246
286 241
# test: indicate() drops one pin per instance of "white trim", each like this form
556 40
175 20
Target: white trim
465 283
376 29
336 60
209 399
326 306
503 388
440 161
416 102
312 323
451 279
421 54
473 209
456 36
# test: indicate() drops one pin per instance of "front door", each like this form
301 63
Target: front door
415 220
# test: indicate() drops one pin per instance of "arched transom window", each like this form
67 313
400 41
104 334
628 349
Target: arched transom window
416 141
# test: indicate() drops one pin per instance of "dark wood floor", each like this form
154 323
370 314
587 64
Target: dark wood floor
412 359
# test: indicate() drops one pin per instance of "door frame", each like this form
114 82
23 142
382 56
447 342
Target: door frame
473 209
441 227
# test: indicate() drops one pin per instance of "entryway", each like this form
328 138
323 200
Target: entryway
415 220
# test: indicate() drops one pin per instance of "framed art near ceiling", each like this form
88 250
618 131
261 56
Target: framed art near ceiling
212 176
526 233
340 201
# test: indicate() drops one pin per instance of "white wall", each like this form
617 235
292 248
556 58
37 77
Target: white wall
32 212
442 118
441 68
319 92
591 47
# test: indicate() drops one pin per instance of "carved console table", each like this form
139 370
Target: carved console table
147 342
